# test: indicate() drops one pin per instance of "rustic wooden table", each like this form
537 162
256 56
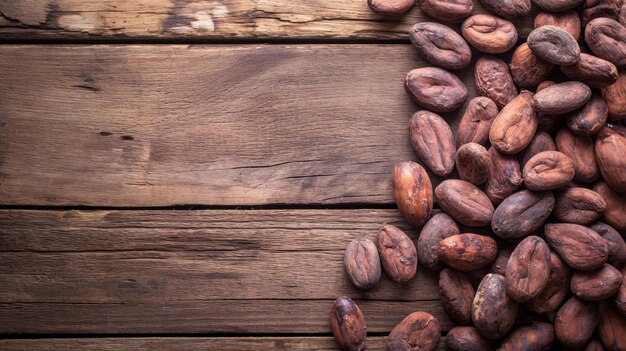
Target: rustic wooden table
185 175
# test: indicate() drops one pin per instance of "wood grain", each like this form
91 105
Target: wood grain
204 19
160 125
192 272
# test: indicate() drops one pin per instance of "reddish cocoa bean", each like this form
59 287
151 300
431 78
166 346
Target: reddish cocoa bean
515 125
528 269
390 7
561 98
592 9
465 202
589 119
522 214
615 242
542 141
432 140
591 70
466 339
612 329
362 263
457 295
493 312
348 325
553 295
580 149
569 21
467 252
476 121
489 34
499 264
527 69
413 192
555 45
557 5
493 80
507 8
440 45
607 39
615 213
418 331
448 10
575 322
579 206
611 156
598 284
439 227
397 253
505 176
473 163
537 336
435 89
620 298
580 247
548 170
615 97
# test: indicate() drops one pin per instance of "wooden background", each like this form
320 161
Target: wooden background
185 175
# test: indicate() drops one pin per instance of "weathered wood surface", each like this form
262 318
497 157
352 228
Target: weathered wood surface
263 271
374 343
159 125
208 19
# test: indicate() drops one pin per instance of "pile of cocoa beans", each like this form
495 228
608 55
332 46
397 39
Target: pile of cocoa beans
528 239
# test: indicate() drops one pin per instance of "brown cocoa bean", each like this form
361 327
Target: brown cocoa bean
575 322
611 155
493 311
561 98
553 295
569 21
592 9
615 242
542 141
466 339
579 206
537 336
476 121
528 269
362 263
612 329
397 253
554 45
620 298
489 34
473 163
419 331
432 140
580 247
548 170
548 123
622 14
615 97
522 214
598 284
607 39
435 89
440 45
615 213
557 5
457 295
499 264
493 80
504 178
507 8
438 227
591 70
348 324
467 252
589 119
515 125
544 84
390 7
465 202
448 10
594 345
580 149
527 69
413 192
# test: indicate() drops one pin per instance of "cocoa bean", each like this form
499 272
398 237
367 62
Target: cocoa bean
528 269
580 247
440 45
362 263
575 322
620 298
348 324
553 295
591 70
390 7
594 345
544 84
569 21
557 5
418 331
467 252
598 284
542 141
561 98
413 192
615 213
527 69
439 227
493 80
466 339
612 329
580 149
515 125
615 97
589 119
507 8
493 312
476 121
548 170
489 34
432 140
465 202
554 45
522 214
473 163
607 39
615 242
592 9
611 156
537 336
579 206
504 178
435 89
457 295
499 264
397 253
448 10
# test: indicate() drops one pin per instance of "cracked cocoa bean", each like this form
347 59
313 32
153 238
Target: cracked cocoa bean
553 295
579 149
575 322
580 247
611 155
432 140
554 45
598 284
489 34
528 269
527 69
548 170
465 202
438 227
440 45
362 263
591 118
476 121
515 125
457 295
522 214
435 89
493 311
561 98
397 253
413 192
537 336
578 205
504 178
419 331
493 80
467 252
447 11
591 70
348 325
473 163
569 21
607 39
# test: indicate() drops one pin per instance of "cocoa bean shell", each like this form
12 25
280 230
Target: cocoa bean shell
438 227
465 202
413 192
569 21
542 141
476 121
467 252
362 263
527 69
557 5
507 8
578 205
607 39
348 324
561 98
457 295
580 247
553 295
493 311
397 253
505 176
615 242
515 125
598 284
611 156
528 269
590 118
554 45
447 11
432 140
537 336
591 70
579 149
489 34
390 7
612 329
435 89
466 339
440 45
473 163
521 214
418 331
575 322
615 213
548 170
493 80
615 97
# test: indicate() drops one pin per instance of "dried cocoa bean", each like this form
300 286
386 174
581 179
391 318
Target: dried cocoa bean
580 247
448 10
548 170
615 242
476 121
362 263
397 253
435 89
457 295
615 97
473 163
553 295
465 202
544 84
489 34
537 336
507 8
615 213
466 339
413 192
439 227
542 141
504 178
612 329
607 39
432 140
554 45
493 80
390 7
611 155
499 264
575 322
592 9
569 21
348 324
557 5
580 149
515 125
594 345
589 119
418 331
561 98
591 70
579 206
598 284
620 298
522 214
440 45
467 252
493 312
528 269
527 69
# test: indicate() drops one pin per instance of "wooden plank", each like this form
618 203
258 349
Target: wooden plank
224 19
326 343
192 272
157 125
